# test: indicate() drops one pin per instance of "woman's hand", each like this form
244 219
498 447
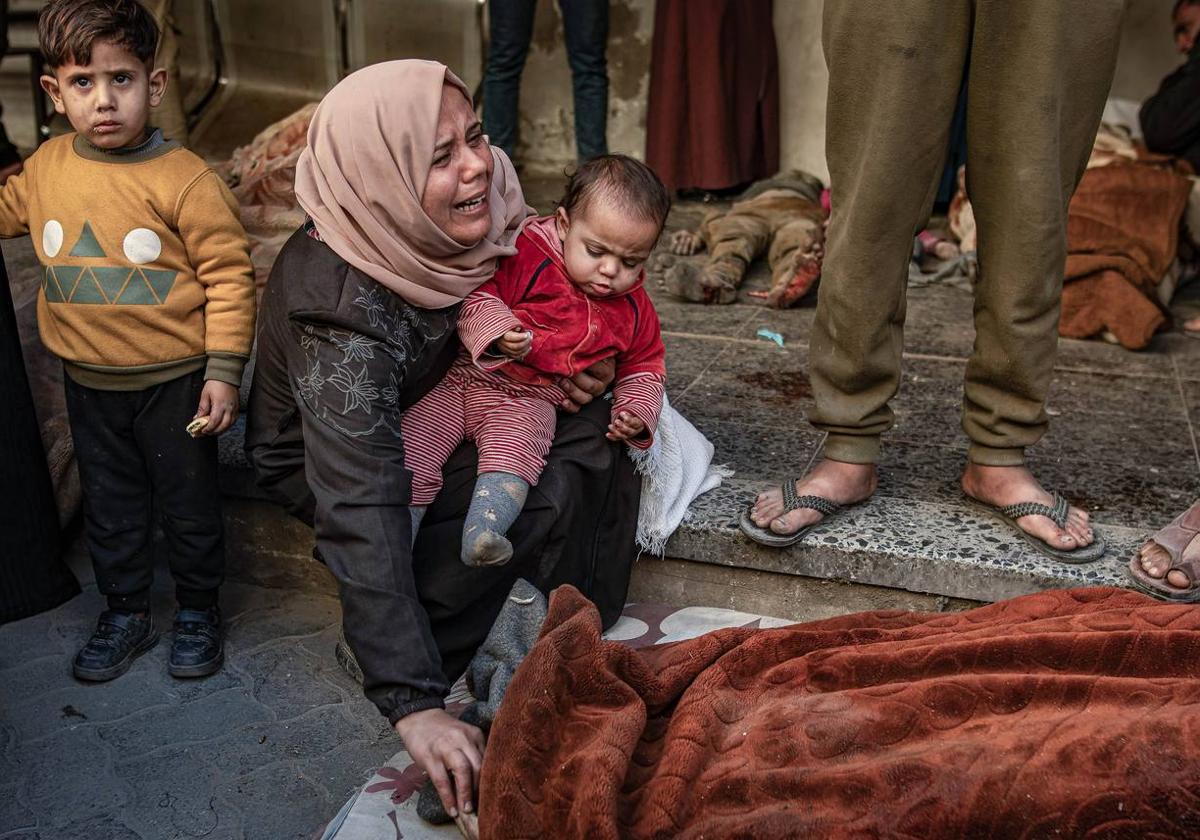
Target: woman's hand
450 751
586 385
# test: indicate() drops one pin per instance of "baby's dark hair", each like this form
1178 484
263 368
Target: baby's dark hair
631 184
68 29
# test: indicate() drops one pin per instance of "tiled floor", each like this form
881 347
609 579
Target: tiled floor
269 747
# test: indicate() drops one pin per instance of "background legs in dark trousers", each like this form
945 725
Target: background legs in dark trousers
585 24
8 152
33 576
135 458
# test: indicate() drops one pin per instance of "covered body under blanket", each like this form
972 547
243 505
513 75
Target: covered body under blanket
1122 236
1069 713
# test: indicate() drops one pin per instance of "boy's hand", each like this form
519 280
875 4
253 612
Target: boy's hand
515 343
219 403
625 426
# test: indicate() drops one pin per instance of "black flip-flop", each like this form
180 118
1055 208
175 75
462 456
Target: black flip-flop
1056 513
791 502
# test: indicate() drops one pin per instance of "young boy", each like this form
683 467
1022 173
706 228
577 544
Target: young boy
148 298
571 296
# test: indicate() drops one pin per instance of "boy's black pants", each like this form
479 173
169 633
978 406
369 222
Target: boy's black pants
135 458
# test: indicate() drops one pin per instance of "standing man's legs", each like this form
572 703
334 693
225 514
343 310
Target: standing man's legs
585 24
1032 64
510 27
1039 76
888 62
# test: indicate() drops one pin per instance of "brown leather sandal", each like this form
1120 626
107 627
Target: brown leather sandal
1174 539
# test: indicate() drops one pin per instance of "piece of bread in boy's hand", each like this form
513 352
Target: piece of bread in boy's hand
197 426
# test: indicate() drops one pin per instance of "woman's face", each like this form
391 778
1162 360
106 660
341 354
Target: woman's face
456 192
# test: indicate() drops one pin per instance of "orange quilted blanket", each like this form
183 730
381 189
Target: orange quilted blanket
1062 714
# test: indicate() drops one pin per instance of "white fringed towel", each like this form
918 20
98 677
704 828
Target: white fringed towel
675 470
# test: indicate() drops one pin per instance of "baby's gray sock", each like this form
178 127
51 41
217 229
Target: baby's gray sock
495 506
417 512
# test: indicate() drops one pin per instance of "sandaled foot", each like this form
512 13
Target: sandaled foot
1168 564
1061 530
836 481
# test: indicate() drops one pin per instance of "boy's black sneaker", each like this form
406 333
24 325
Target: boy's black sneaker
197 650
119 639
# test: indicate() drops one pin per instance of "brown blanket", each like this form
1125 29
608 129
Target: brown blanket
1122 234
1061 714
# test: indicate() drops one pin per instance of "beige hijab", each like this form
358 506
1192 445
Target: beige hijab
370 146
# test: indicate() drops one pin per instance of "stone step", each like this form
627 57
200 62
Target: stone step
930 548
933 547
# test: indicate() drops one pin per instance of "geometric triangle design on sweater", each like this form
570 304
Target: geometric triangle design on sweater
68 279
107 284
87 291
160 281
50 287
137 291
87 245
111 280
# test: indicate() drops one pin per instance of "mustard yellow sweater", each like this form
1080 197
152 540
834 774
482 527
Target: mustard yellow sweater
147 272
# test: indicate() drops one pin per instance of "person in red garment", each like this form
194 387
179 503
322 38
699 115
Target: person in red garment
712 120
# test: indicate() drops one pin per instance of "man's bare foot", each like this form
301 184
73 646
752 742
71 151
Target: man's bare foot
834 480
1155 560
1003 486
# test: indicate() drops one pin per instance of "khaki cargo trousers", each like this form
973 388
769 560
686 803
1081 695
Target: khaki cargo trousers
1039 73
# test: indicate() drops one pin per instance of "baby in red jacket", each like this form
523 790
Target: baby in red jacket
571 296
